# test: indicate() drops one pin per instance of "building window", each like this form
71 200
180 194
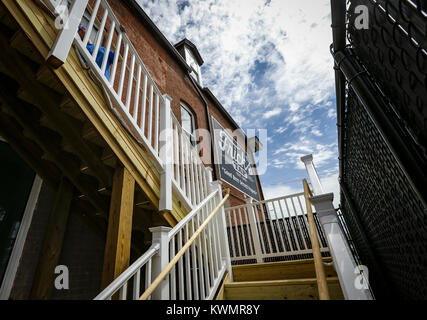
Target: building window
188 122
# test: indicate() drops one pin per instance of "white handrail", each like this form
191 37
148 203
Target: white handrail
121 282
191 215
199 272
192 288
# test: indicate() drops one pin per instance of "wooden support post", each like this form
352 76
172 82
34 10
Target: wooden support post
52 243
322 284
118 243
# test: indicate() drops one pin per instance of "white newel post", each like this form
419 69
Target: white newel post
160 261
312 173
254 231
225 249
65 38
342 257
166 154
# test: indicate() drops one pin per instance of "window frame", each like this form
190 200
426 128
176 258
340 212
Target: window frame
191 135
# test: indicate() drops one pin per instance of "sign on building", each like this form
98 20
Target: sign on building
234 164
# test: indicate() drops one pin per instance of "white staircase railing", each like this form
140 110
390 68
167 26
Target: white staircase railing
128 82
136 273
271 229
136 97
192 258
190 177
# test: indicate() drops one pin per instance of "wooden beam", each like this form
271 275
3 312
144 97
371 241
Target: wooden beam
28 151
52 243
47 103
44 139
322 283
118 243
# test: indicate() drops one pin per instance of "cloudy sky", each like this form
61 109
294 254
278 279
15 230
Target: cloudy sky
269 64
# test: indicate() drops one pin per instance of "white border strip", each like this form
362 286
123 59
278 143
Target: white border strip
18 247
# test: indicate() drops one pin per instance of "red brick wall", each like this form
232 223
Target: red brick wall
169 76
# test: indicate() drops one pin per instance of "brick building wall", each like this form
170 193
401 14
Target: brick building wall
171 78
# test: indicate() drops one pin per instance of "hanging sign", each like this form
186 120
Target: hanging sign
233 162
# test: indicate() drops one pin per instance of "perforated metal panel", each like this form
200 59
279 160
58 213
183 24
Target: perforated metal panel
388 221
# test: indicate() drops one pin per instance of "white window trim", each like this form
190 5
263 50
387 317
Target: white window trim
183 105
189 58
18 247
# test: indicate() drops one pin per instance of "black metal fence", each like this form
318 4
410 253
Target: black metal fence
386 215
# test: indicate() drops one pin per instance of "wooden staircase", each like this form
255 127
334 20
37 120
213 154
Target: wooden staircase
289 280
44 124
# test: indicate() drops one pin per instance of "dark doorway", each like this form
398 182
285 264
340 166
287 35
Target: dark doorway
16 180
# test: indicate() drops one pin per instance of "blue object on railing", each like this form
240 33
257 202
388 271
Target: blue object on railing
100 58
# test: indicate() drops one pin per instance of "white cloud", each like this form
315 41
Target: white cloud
272 113
264 60
332 113
276 191
330 184
290 38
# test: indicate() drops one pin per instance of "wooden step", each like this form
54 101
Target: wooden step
49 79
109 158
21 43
7 19
295 289
298 269
69 106
46 122
90 133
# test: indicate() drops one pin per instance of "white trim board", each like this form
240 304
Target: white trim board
18 247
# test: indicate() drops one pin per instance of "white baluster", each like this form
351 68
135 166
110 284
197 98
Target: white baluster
144 104
156 125
122 73
91 22
187 265
108 47
130 84
137 93
173 271
100 35
116 58
194 262
150 115
136 285
255 231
